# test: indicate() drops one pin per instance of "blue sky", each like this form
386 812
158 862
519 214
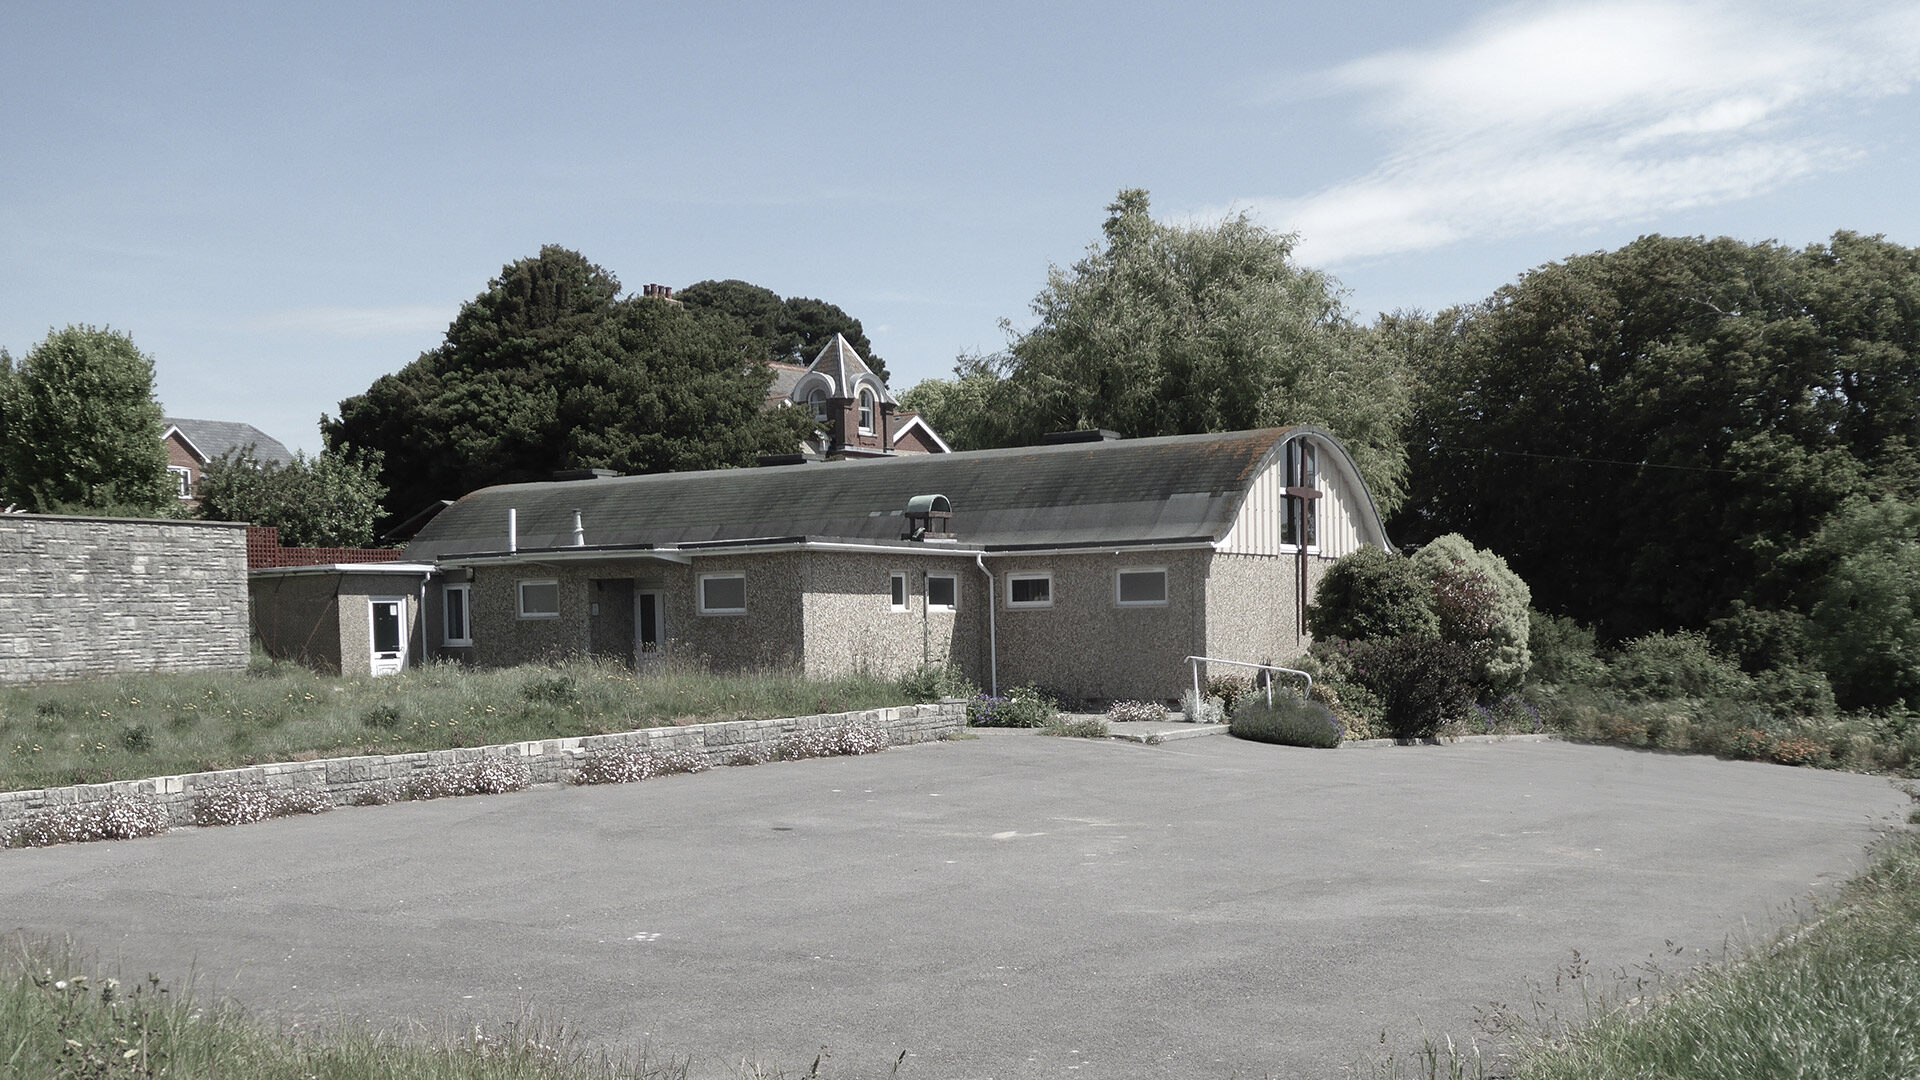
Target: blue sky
282 202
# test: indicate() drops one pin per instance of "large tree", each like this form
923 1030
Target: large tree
80 429
328 501
1172 329
1646 433
552 368
791 330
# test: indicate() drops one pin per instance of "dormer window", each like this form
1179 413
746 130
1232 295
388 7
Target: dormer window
866 411
817 401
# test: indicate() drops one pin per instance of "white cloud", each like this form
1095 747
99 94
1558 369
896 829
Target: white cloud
356 322
1580 115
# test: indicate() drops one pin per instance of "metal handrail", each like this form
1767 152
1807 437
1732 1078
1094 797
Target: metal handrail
1196 661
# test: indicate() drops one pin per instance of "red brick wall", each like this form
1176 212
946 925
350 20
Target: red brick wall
264 550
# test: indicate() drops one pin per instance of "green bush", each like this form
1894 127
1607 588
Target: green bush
1290 721
932 682
1372 594
1564 652
1479 602
1665 667
1422 682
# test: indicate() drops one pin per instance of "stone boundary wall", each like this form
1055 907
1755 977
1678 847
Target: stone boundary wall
551 760
81 597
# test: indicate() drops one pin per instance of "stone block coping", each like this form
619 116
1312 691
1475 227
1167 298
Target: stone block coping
548 760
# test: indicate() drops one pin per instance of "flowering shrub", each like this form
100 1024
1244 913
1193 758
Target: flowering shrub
1135 712
234 802
1290 720
627 764
837 741
1023 707
1229 689
490 776
1508 715
1798 750
116 817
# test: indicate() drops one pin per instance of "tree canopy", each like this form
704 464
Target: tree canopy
552 368
80 429
328 501
1172 329
791 330
1650 434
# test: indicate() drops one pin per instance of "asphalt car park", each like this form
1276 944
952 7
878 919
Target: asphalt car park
1005 906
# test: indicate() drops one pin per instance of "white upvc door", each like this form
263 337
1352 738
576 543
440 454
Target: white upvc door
387 622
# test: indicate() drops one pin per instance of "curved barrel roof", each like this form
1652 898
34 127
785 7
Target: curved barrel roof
1131 491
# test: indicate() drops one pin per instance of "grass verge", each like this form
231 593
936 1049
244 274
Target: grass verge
136 726
1839 997
61 1018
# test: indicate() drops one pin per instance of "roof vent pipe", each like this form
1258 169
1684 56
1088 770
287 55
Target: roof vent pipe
513 529
579 534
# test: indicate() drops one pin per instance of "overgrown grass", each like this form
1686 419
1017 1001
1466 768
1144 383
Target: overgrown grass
61 1018
134 726
1837 998
1867 741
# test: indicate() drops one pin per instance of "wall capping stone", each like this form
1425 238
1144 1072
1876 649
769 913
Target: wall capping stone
549 760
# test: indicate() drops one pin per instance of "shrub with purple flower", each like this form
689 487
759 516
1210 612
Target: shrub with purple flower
1023 707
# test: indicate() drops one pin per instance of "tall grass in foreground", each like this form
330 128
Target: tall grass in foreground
1839 998
61 1018
134 726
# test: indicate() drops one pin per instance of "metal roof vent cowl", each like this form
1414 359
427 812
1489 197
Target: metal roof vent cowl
929 517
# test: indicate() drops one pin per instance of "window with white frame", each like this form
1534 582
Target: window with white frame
943 592
455 626
723 594
817 401
1141 586
897 588
540 599
1030 590
182 480
866 411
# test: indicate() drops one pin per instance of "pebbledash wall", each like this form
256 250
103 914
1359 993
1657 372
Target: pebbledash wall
550 760
83 596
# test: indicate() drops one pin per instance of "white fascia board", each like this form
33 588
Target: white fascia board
1105 549
917 422
413 569
507 558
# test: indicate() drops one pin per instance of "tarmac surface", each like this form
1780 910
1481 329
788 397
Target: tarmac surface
1008 906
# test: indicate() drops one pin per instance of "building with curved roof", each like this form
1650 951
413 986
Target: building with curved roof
1091 566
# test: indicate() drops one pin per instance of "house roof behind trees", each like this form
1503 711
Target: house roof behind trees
1186 488
208 439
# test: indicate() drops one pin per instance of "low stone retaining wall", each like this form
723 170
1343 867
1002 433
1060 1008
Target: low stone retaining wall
550 760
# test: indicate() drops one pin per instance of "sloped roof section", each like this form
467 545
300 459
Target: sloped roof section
212 438
784 377
1136 491
840 364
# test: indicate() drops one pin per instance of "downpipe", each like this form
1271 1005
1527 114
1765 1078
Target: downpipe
993 644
